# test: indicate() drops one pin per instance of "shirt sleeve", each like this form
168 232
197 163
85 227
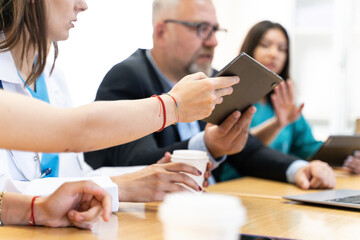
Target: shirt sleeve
46 186
197 142
293 168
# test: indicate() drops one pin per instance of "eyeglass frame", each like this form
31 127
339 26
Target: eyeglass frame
198 25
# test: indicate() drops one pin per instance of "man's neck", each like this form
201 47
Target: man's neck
172 75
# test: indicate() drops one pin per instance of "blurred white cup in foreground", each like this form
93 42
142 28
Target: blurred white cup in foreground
195 158
201 217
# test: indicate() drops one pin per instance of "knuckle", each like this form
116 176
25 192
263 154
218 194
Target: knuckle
213 98
187 180
208 85
181 166
153 167
201 75
158 175
179 188
245 131
209 111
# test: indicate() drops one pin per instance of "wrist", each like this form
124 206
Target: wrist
215 153
171 110
177 103
121 190
277 124
39 212
176 107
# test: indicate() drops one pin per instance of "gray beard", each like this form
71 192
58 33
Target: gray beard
194 68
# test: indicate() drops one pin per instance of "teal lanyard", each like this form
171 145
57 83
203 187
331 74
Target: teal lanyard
40 89
49 161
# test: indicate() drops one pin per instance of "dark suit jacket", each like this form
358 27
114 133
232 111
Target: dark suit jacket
135 78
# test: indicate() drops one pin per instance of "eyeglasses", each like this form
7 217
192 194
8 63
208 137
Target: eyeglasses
204 29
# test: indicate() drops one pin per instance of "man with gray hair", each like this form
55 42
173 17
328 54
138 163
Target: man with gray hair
184 40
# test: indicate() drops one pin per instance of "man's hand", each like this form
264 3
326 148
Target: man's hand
153 182
209 167
231 136
317 174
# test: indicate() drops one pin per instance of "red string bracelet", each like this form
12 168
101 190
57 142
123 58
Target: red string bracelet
163 106
177 108
32 217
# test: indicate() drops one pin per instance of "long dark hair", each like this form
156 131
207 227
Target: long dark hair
254 36
26 20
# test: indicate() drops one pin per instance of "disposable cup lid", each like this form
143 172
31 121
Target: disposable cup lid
181 159
191 154
206 209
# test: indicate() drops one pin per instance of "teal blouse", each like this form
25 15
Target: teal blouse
296 139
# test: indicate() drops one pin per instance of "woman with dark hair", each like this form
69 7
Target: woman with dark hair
278 122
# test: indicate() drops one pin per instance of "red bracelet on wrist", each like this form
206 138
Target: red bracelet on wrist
177 107
162 104
32 217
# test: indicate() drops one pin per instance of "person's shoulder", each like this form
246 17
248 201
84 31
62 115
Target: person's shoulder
132 68
130 79
132 63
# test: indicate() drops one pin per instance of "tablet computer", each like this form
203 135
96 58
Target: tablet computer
336 148
255 82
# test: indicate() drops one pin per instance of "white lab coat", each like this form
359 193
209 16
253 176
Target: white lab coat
70 164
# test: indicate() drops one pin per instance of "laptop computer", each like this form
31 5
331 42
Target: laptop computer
339 197
336 148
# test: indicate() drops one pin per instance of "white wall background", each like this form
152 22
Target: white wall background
325 45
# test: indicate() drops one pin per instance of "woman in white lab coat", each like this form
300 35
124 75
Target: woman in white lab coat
17 162
27 30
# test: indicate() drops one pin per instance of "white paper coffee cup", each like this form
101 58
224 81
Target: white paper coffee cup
195 158
201 217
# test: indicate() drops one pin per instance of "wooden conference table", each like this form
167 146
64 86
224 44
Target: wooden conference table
267 214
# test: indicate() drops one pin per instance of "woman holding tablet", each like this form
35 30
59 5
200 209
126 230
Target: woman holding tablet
27 29
278 121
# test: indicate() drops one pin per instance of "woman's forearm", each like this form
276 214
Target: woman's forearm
119 122
16 209
30 125
267 131
90 127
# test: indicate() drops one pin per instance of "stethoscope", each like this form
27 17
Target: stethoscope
36 159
